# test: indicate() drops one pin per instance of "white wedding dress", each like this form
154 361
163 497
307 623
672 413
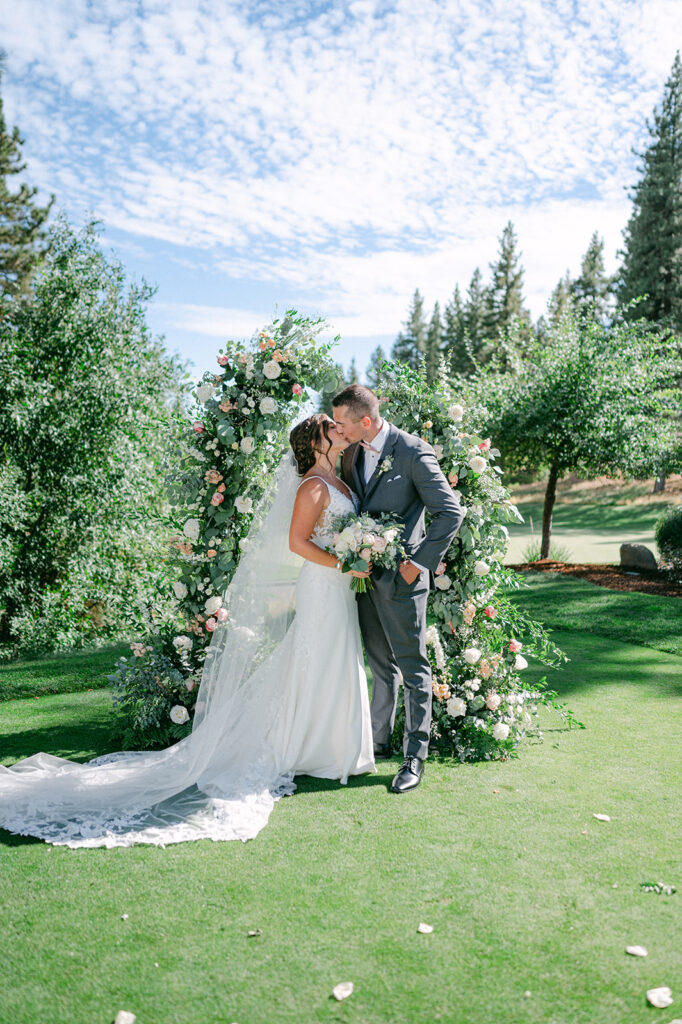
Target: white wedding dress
271 705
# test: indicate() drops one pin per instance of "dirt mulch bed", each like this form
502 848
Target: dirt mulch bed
614 577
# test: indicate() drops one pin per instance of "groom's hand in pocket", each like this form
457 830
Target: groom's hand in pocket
409 571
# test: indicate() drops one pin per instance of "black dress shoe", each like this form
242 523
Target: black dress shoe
382 750
409 776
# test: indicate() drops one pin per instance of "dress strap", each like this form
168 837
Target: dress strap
315 477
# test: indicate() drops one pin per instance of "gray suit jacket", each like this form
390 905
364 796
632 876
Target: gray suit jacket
414 482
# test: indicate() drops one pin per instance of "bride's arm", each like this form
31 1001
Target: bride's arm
311 499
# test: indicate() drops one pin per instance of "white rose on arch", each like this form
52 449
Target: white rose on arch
471 655
213 604
243 505
247 445
456 707
520 662
205 391
478 464
456 412
182 643
180 591
443 582
191 529
268 405
481 568
500 731
272 370
179 714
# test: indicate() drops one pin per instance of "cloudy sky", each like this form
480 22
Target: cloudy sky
252 156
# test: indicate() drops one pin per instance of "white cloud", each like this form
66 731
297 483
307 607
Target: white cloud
350 152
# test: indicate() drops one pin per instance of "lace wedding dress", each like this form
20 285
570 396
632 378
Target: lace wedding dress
282 694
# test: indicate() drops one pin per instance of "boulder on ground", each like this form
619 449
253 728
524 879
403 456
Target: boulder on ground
638 556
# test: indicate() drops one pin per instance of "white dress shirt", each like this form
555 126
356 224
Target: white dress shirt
371 458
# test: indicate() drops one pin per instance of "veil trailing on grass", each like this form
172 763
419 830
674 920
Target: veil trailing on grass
222 780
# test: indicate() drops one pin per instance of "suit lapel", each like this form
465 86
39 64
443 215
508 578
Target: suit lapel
389 445
359 484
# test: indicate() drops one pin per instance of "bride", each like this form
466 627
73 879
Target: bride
283 691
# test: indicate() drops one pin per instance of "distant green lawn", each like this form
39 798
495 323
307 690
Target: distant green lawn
59 673
573 604
592 532
526 890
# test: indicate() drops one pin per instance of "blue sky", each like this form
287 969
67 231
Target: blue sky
334 156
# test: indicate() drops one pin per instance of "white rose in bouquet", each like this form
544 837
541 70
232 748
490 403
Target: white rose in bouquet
272 370
268 405
500 731
191 529
390 536
179 714
456 412
180 591
366 553
478 464
243 505
212 605
456 707
368 539
247 445
379 545
204 392
471 655
443 582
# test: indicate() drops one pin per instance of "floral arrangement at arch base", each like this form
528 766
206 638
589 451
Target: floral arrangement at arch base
234 441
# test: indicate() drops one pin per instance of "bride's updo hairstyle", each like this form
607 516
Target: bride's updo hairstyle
307 438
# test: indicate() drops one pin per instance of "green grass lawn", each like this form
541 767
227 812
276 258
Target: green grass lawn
60 673
526 890
593 532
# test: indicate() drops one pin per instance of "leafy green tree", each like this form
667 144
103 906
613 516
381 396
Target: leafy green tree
373 371
89 403
595 399
410 345
505 302
434 344
23 239
592 289
652 256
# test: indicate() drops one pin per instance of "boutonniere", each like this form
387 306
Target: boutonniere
386 464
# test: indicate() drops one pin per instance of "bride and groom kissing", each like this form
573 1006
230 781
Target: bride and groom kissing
283 690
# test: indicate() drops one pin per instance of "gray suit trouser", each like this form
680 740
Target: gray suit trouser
393 623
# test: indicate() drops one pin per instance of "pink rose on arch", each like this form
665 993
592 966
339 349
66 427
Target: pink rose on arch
211 553
453 478
190 684
515 646
484 669
297 389
210 624
493 701
441 568
221 488
223 360
222 615
198 427
213 476
485 445
490 612
217 499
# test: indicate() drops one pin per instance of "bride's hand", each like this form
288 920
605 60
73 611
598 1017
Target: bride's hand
361 575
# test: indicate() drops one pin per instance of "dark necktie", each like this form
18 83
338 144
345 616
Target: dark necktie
360 466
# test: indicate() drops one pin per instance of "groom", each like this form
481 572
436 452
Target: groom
395 472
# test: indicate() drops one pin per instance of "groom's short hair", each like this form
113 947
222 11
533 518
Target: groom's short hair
359 401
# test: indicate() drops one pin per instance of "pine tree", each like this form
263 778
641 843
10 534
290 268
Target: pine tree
474 315
22 233
373 371
592 288
454 335
505 295
652 257
560 302
353 377
434 344
410 345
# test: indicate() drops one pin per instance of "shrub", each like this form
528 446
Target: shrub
669 535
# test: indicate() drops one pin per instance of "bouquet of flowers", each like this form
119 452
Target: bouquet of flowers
361 539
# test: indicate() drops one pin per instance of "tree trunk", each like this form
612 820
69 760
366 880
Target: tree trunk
550 496
659 483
